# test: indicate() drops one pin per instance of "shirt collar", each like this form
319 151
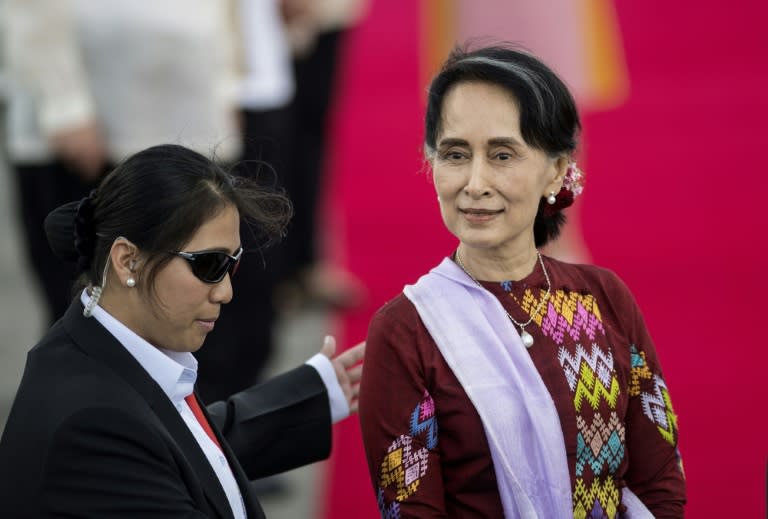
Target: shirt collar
175 372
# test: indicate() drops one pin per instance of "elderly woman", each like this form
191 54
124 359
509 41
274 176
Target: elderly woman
106 422
505 383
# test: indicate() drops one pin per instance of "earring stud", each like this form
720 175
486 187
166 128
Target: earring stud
130 282
551 199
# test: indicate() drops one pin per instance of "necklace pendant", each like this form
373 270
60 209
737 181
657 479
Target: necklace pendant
526 338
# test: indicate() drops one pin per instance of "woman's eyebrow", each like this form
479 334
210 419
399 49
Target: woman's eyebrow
452 141
503 141
493 141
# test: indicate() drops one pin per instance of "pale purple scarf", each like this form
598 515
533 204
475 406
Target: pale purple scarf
484 351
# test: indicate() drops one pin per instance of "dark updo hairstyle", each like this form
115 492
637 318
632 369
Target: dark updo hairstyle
158 199
548 117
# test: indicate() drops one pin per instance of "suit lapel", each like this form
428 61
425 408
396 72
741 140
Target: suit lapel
99 344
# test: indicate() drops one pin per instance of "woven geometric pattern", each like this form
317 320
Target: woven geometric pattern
600 363
566 314
403 467
388 511
599 446
405 464
639 371
590 376
600 500
591 388
573 321
423 421
657 406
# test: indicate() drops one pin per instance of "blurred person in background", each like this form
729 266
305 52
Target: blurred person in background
283 113
246 332
106 422
97 80
287 59
505 383
315 31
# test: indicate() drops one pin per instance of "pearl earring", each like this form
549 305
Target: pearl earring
551 198
130 282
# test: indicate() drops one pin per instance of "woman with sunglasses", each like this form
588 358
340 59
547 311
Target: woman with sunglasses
105 422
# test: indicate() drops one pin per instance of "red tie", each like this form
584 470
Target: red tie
195 406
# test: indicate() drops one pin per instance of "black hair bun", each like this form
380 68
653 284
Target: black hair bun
60 230
85 232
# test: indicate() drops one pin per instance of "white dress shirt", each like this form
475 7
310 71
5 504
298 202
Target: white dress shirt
175 373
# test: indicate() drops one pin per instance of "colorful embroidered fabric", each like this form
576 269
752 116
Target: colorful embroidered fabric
405 465
657 405
573 322
613 404
592 379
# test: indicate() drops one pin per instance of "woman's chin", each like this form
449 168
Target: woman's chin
479 242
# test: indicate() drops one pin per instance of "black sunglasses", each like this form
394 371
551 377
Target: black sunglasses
211 266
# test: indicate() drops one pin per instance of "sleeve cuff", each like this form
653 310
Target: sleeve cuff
338 403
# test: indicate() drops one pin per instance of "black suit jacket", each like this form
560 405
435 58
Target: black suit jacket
91 434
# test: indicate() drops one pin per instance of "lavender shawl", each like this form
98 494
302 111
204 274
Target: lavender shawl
484 351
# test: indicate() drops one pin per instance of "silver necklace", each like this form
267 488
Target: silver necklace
526 337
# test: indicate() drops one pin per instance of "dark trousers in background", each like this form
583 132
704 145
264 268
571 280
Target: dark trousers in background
236 351
315 81
42 188
291 141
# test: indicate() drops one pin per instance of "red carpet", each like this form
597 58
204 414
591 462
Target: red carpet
672 205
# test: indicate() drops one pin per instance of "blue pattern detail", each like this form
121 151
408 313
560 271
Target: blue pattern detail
429 425
391 511
611 454
507 286
636 359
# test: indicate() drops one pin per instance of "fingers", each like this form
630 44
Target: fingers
355 374
83 148
352 356
348 368
329 346
353 400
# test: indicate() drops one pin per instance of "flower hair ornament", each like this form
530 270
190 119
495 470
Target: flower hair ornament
573 186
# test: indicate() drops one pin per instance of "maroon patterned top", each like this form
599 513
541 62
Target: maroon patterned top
426 447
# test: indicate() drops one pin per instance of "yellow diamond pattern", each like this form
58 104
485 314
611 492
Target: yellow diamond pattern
584 499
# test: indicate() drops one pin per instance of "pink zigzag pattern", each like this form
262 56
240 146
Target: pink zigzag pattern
556 326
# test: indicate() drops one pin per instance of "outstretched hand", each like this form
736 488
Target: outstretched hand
348 367
83 148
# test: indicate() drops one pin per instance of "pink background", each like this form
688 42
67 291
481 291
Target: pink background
673 205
